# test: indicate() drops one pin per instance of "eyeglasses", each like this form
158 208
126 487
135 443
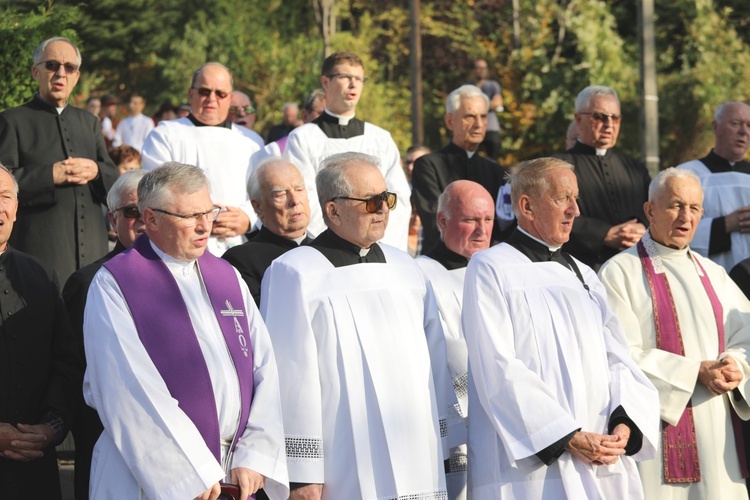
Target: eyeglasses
373 204
248 110
348 76
129 211
193 219
602 117
54 66
205 92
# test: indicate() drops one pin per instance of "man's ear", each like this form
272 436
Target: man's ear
648 209
442 221
448 122
524 204
332 213
258 209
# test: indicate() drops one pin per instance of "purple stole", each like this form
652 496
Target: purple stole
164 327
680 448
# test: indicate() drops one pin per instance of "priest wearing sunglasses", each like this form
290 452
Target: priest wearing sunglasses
57 154
356 340
209 139
613 186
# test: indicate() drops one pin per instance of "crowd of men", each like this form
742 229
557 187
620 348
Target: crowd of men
257 326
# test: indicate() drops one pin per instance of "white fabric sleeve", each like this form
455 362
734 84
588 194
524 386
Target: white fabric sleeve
397 233
156 149
299 153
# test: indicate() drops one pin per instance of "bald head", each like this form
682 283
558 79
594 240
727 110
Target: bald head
211 93
731 128
466 213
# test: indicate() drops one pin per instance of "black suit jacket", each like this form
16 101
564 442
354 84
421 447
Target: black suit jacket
87 427
612 190
434 171
62 225
253 257
40 366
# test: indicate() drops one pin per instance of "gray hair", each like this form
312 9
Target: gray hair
722 108
288 105
331 181
197 73
314 96
39 51
530 178
124 185
453 102
583 101
259 172
15 182
160 185
444 201
660 181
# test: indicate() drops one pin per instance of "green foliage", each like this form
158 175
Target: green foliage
20 34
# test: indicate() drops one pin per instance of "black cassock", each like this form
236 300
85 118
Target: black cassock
62 225
612 190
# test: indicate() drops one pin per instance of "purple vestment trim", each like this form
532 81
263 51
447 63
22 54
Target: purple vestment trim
166 331
680 441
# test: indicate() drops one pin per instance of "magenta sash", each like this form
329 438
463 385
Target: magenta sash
166 331
680 447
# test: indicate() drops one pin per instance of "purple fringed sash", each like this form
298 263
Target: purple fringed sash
164 327
680 448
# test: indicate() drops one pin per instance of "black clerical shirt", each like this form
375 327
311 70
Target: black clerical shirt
342 253
448 258
329 124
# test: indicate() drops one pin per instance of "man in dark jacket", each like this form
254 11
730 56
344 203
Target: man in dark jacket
57 153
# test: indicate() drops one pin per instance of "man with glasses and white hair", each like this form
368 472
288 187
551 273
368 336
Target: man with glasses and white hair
126 220
208 139
337 130
357 338
180 366
466 118
58 156
613 186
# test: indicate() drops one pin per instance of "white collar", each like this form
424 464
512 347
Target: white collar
343 120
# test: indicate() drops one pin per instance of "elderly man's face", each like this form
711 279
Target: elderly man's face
8 208
468 123
469 228
56 86
126 220
599 125
550 216
283 208
343 88
675 212
732 132
181 238
239 106
290 115
317 109
211 96
349 219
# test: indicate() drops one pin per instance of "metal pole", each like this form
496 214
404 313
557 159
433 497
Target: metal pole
649 119
415 63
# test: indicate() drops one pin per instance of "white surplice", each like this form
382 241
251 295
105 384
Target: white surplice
723 193
223 154
150 448
447 287
359 403
546 357
676 376
307 146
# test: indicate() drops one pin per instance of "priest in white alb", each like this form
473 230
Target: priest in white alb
208 139
180 365
558 408
688 327
360 351
465 213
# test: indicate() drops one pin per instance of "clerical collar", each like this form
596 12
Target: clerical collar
718 164
584 149
344 253
342 120
448 258
551 248
469 154
183 267
266 234
225 124
339 127
59 110
538 251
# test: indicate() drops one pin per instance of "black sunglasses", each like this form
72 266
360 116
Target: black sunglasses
204 92
374 203
603 117
129 211
54 66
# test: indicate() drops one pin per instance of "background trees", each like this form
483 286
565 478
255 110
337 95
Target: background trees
275 49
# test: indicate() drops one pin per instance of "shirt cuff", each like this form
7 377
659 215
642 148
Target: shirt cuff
553 451
56 421
620 416
719 240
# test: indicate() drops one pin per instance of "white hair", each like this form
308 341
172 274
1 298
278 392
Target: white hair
39 51
583 101
124 185
259 173
453 102
660 181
